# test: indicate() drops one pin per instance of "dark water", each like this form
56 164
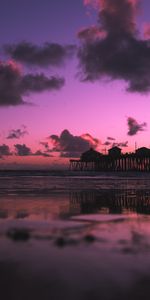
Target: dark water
74 237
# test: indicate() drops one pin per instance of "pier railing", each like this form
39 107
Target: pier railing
130 162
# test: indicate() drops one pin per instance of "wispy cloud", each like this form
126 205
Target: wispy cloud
17 133
107 143
109 138
111 143
121 144
42 153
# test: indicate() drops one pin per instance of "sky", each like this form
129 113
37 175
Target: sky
73 75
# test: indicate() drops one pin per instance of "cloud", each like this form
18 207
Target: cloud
17 133
69 145
50 54
22 150
14 85
4 150
87 2
94 142
147 31
107 143
115 144
70 154
41 153
122 144
121 55
110 138
134 127
117 16
45 145
94 3
47 151
40 83
91 33
55 142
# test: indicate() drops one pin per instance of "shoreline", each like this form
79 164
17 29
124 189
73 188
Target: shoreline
67 173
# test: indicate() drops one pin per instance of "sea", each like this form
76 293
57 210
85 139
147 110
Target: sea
74 235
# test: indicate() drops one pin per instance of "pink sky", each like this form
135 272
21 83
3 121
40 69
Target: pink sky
99 108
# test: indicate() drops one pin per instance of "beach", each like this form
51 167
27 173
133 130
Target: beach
74 237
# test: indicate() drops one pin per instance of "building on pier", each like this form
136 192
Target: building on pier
143 151
91 156
114 152
92 160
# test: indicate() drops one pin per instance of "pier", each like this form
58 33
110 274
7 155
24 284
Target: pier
114 161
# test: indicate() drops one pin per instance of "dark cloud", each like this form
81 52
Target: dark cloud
22 150
41 153
4 150
45 145
121 54
115 144
147 31
17 133
47 151
91 33
109 138
69 145
55 142
94 142
134 127
40 83
14 86
50 54
70 154
107 143
122 144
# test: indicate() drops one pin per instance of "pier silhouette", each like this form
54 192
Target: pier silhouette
92 160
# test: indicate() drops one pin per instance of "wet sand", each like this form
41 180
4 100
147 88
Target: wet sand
83 239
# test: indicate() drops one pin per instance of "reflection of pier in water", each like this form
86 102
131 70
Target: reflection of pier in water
110 201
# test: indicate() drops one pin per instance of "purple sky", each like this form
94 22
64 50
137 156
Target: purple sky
100 108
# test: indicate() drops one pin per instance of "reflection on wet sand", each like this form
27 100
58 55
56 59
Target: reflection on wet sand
34 207
110 201
63 205
85 245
